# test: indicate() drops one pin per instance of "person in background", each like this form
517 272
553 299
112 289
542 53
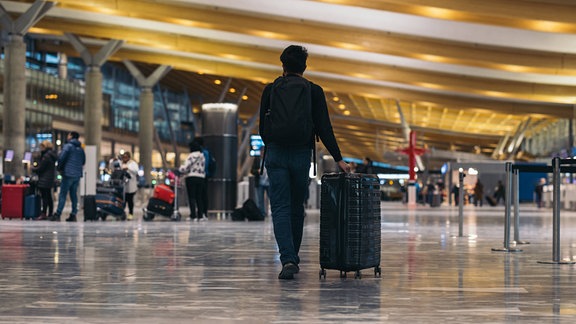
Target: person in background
46 171
430 191
131 186
366 166
499 192
71 164
456 193
194 171
288 165
538 191
209 168
478 193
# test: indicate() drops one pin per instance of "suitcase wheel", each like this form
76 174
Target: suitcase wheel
322 273
377 271
148 216
102 216
176 217
358 275
342 274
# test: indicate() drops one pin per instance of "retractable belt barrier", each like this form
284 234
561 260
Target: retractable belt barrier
507 209
512 186
556 170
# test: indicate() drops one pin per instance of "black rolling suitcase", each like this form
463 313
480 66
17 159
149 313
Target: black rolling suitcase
491 201
158 206
90 209
32 206
350 223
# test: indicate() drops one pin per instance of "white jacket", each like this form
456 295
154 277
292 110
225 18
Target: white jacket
194 166
132 168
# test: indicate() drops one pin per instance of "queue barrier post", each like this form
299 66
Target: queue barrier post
507 212
516 197
461 176
556 169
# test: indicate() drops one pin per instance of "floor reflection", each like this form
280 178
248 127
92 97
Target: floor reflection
221 271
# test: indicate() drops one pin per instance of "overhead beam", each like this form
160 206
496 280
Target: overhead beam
344 86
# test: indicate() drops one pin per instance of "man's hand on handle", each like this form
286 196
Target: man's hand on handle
344 166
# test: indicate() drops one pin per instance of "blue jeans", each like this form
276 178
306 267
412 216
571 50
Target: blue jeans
288 169
68 184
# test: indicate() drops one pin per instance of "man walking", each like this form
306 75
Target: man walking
70 164
292 111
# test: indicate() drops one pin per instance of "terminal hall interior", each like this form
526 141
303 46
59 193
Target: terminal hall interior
435 88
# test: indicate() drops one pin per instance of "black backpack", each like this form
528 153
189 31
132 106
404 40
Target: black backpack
288 120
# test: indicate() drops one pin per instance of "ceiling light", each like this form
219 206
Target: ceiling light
232 90
218 82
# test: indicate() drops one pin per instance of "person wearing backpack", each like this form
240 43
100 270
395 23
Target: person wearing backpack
293 111
194 172
210 169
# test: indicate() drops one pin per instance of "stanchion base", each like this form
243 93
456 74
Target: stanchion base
557 262
511 250
521 242
468 236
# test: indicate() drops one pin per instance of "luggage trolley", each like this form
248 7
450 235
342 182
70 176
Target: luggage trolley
110 197
164 201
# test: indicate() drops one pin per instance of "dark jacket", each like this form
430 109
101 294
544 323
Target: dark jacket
320 117
73 159
46 169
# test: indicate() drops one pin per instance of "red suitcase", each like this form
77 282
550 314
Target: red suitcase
164 193
13 200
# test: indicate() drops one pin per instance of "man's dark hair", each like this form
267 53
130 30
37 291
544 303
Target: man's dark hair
194 146
75 135
199 140
294 59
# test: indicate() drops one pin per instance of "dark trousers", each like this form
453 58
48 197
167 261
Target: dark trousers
194 187
47 201
205 197
288 172
130 201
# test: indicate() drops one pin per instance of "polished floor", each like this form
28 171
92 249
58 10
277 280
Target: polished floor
226 272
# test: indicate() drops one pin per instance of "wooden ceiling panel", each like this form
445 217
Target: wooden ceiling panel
456 93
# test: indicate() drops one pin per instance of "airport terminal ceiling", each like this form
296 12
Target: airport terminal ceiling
463 74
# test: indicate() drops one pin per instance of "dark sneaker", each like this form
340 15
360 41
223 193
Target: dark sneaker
42 216
55 218
72 218
288 271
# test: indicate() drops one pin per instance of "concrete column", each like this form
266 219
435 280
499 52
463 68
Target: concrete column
93 109
146 131
93 96
14 120
146 127
14 110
